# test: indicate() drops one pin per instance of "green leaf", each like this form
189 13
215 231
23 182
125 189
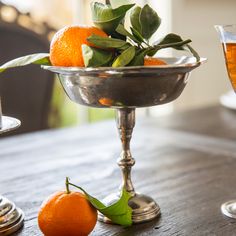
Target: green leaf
194 52
115 3
38 58
149 21
107 18
125 57
172 38
151 52
176 42
43 61
137 35
126 46
121 30
119 212
105 43
138 60
94 57
135 19
116 35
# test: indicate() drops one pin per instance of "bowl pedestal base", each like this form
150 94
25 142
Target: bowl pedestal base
144 208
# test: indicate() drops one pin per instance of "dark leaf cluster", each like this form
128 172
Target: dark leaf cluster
127 47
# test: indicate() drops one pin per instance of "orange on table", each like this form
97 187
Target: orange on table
153 61
65 47
67 214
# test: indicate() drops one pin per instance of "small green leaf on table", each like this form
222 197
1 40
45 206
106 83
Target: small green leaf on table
125 57
119 213
38 58
94 57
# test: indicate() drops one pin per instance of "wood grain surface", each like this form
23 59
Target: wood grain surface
214 121
190 173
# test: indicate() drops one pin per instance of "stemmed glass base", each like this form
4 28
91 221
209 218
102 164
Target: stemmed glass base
11 217
144 208
229 209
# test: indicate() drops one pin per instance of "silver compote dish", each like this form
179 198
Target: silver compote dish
11 217
125 89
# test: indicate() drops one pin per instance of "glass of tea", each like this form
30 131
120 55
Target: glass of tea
227 35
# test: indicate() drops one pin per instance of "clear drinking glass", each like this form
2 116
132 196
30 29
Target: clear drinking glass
227 35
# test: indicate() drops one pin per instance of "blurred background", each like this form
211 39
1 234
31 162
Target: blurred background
189 18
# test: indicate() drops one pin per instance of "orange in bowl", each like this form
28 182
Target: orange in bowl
65 47
153 61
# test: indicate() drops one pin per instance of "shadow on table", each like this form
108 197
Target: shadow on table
149 228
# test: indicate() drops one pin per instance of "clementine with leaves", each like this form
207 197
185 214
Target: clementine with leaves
67 214
109 45
65 47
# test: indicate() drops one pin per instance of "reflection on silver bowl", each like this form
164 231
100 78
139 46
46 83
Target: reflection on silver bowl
127 86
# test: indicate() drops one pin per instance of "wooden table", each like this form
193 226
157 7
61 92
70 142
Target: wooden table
186 162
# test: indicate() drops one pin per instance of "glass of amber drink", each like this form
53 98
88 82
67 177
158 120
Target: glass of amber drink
227 35
228 39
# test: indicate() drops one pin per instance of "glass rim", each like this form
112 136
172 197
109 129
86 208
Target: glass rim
190 62
225 25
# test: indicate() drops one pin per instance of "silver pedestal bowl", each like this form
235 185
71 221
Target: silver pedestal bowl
126 89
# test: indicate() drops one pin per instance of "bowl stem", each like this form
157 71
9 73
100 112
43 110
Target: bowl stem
144 208
125 121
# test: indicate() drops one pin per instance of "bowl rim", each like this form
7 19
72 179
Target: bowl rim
191 63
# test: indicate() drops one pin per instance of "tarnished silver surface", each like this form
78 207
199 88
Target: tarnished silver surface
9 123
125 89
11 217
125 121
139 86
229 209
144 208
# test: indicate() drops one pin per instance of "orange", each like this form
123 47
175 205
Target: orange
67 214
106 101
153 61
65 47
